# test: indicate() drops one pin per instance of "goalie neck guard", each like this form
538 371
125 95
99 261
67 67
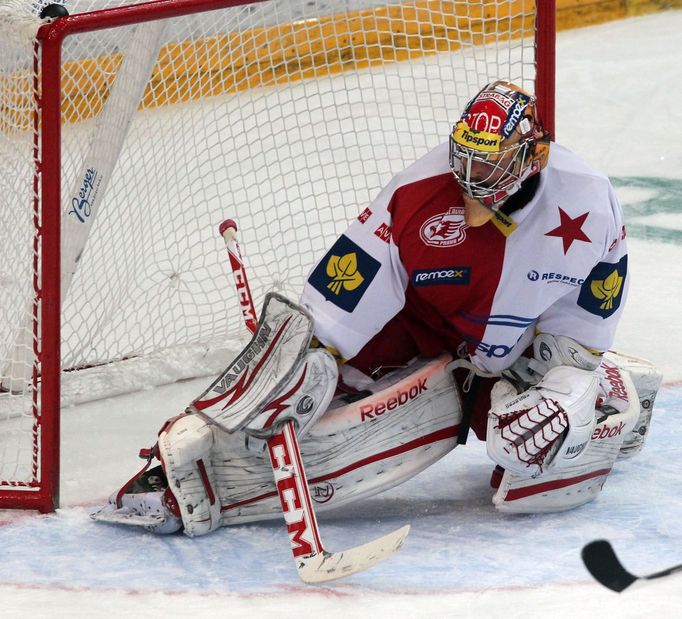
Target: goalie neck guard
497 144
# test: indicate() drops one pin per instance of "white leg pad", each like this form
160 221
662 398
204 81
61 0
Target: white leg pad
647 381
572 486
355 450
185 445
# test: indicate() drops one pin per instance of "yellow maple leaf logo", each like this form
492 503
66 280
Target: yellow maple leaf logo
344 273
607 289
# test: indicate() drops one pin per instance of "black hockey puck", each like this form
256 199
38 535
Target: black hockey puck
53 10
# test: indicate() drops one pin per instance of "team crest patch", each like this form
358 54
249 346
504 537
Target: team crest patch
344 274
445 229
602 291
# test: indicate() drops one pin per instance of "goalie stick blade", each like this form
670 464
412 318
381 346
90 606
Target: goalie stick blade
325 566
313 563
601 561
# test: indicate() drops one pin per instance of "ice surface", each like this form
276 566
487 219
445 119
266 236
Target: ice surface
618 95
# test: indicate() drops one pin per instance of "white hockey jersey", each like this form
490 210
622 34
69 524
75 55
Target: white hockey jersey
558 265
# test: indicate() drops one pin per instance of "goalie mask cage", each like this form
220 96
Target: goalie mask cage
129 131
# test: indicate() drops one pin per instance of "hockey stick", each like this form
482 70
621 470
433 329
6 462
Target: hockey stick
313 562
601 561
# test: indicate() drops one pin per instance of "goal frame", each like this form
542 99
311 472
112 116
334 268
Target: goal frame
43 495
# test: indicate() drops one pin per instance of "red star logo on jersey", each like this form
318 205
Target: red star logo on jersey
570 229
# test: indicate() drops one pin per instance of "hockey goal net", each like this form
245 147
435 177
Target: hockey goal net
129 131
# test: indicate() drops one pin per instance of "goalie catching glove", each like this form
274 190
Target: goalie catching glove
546 426
556 442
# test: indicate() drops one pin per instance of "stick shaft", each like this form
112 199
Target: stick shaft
241 282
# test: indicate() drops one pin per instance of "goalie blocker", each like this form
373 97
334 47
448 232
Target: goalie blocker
553 448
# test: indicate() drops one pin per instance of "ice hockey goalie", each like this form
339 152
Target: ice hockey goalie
479 293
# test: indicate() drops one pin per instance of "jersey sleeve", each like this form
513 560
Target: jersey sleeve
359 284
590 313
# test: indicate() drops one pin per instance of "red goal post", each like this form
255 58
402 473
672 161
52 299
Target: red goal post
308 114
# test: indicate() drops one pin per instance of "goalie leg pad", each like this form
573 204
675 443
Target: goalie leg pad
356 450
572 485
184 446
647 381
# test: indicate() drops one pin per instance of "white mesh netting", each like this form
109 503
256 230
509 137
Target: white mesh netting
285 116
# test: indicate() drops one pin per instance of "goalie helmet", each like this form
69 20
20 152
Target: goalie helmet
497 143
